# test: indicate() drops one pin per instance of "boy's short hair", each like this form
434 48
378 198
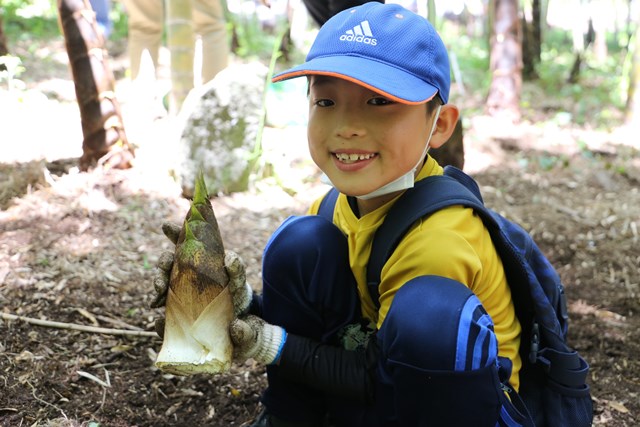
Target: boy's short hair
384 47
433 104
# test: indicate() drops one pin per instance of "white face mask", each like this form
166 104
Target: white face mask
403 182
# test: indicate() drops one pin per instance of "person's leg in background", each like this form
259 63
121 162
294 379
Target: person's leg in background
210 25
146 26
146 23
102 8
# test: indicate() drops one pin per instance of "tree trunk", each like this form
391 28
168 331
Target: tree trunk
574 74
632 108
105 142
180 40
4 50
536 16
505 62
579 40
598 15
531 40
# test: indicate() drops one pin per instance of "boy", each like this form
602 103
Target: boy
445 337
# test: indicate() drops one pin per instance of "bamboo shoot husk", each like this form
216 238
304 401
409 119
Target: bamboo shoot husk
199 307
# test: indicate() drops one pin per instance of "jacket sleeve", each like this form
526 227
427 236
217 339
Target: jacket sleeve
334 370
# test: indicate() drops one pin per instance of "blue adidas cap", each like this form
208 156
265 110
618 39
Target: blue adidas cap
383 47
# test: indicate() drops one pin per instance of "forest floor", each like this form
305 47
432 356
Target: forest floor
80 248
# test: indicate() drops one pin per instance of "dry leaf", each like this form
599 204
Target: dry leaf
618 406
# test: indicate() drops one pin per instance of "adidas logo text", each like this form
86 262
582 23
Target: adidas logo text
360 33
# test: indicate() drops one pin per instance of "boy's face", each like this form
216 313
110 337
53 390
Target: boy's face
360 139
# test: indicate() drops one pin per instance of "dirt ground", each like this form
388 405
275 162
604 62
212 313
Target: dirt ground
80 248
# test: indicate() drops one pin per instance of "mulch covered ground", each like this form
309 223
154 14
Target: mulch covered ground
80 248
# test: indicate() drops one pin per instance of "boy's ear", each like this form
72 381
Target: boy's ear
445 125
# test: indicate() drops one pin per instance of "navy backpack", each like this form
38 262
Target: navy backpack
553 376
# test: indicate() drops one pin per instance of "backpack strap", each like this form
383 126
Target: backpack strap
425 198
465 180
328 204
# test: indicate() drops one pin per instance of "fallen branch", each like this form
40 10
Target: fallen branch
76 327
575 215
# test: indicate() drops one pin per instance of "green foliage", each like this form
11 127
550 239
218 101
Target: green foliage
597 99
119 18
44 262
145 262
548 162
473 59
28 19
253 41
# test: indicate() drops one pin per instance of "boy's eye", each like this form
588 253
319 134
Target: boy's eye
379 100
324 102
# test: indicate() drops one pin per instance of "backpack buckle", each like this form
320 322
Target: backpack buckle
535 343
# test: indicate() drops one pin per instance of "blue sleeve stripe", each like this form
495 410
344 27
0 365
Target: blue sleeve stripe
284 340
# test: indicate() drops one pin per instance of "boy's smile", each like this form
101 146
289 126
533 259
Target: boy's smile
360 139
352 160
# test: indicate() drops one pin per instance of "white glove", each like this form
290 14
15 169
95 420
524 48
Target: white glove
254 338
163 268
241 291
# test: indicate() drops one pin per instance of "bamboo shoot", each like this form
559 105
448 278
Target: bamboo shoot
199 307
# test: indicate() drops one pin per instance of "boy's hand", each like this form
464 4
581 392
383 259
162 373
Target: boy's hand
162 275
241 292
164 266
254 338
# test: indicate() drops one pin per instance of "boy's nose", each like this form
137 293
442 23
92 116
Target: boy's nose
346 132
350 125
